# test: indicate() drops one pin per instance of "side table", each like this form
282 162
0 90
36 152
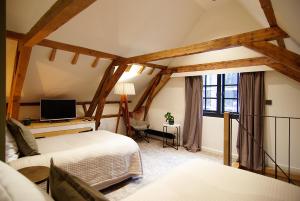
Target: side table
36 174
176 135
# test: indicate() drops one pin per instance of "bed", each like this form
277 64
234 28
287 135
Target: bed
100 158
201 180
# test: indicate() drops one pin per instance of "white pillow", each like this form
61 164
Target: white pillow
11 148
15 187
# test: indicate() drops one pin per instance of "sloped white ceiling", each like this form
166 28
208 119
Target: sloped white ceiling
135 27
234 17
286 12
125 28
61 79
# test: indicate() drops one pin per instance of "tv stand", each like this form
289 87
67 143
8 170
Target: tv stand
55 128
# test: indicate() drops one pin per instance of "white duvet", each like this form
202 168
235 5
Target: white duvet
100 158
200 180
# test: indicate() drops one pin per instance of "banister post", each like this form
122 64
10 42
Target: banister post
226 153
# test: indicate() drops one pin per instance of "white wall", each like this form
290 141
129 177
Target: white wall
172 99
284 93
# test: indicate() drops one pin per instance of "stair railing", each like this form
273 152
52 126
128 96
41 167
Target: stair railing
228 119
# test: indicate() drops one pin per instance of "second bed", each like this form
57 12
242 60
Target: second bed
100 158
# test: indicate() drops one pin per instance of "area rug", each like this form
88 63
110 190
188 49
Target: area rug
157 161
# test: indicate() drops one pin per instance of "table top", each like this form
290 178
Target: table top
169 125
35 174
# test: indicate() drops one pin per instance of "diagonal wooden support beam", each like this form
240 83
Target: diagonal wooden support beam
61 12
107 75
146 93
164 80
151 95
281 55
267 7
157 86
106 89
295 75
18 81
221 43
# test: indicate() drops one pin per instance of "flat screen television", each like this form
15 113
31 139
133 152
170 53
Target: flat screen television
52 109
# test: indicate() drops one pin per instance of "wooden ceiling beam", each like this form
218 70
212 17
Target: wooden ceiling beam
52 55
60 13
18 81
64 46
57 15
164 80
151 71
142 68
73 48
95 62
162 67
75 58
106 89
14 35
107 75
151 95
295 75
128 68
221 43
281 55
267 7
146 93
221 65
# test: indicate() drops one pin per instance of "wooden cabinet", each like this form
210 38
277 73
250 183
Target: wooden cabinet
50 129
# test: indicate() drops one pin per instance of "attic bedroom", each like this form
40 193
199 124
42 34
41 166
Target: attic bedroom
150 100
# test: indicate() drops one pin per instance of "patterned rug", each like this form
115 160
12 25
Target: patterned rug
157 161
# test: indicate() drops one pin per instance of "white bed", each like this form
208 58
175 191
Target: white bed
200 180
100 158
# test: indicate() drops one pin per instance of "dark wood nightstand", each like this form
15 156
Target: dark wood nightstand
37 174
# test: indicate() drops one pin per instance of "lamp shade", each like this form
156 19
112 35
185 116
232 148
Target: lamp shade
124 88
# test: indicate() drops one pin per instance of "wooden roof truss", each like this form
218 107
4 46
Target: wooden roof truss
276 57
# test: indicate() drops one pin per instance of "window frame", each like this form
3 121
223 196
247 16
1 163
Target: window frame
220 97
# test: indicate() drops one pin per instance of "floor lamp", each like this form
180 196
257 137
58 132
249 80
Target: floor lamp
124 89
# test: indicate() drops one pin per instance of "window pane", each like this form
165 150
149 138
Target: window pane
211 79
203 104
230 92
203 92
230 105
211 92
231 78
211 104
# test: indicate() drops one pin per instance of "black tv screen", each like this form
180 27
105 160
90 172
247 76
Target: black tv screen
58 109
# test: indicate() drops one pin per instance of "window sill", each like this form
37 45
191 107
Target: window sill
208 114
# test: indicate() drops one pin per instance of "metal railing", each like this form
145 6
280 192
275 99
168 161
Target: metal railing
261 145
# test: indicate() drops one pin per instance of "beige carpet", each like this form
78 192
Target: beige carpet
157 161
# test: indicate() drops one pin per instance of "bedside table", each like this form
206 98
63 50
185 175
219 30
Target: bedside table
36 174
176 135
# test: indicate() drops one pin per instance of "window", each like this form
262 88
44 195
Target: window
220 94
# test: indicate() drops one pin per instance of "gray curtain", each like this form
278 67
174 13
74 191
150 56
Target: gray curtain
192 132
251 130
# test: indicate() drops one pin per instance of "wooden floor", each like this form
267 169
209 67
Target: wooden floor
270 172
